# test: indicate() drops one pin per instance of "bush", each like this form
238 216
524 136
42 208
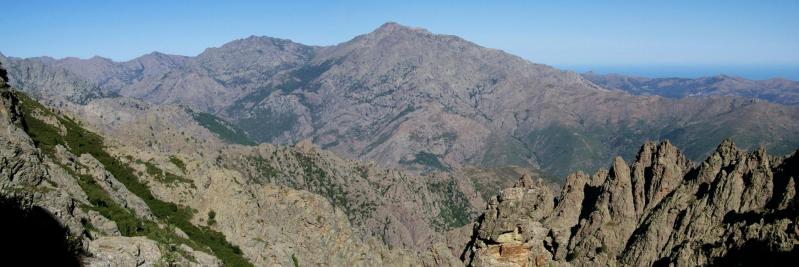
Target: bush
179 163
211 218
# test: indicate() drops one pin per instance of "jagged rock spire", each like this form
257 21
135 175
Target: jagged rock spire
661 208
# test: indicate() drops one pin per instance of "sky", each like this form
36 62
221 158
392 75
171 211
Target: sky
753 39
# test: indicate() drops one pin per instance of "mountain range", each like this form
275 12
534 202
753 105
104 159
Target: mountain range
399 147
408 98
775 90
182 197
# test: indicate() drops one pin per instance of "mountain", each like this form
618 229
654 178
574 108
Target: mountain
775 90
734 208
149 185
118 181
407 98
49 83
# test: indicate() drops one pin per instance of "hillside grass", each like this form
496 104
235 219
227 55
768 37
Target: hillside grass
179 163
81 141
166 177
454 210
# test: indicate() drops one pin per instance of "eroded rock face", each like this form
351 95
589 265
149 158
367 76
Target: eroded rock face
48 183
661 209
513 219
124 251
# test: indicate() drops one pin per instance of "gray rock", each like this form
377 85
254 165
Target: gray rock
113 251
736 207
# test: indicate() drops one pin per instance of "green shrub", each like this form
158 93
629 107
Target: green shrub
454 210
211 218
165 176
179 163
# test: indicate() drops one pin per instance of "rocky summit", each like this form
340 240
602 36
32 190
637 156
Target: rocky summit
734 208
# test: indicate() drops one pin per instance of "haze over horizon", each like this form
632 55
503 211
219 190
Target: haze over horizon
677 39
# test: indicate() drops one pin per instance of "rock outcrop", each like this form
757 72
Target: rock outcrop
94 215
735 207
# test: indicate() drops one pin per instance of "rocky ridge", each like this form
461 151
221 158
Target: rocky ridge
736 207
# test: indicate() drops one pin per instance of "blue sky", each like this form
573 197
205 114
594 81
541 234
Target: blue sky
759 39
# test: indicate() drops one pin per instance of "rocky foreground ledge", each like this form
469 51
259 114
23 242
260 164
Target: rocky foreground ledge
736 207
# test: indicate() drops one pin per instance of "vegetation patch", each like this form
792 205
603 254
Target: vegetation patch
305 75
179 163
165 176
295 261
408 110
264 169
221 128
454 210
211 218
318 181
80 141
267 124
427 159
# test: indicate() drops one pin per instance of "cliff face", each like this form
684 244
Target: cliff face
83 212
735 207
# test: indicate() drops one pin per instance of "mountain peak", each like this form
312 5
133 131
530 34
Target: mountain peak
393 28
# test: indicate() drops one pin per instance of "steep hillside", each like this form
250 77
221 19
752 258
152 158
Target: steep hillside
408 98
735 208
400 209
